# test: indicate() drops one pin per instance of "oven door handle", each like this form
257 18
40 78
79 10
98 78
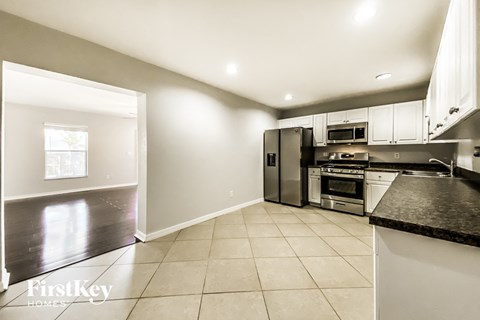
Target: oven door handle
343 175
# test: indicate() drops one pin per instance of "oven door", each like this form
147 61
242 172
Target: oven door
346 187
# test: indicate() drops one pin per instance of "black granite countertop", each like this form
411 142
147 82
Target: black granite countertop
395 167
442 208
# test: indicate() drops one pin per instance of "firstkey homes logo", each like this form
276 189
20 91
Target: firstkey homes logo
41 294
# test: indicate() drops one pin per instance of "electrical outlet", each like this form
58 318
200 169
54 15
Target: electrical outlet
325 154
231 193
396 155
108 177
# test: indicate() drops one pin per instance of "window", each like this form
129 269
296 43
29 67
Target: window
66 149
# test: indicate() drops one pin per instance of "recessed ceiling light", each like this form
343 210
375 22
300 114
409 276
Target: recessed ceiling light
288 97
232 69
383 76
365 12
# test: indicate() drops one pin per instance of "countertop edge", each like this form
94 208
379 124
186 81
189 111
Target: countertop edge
437 233
382 169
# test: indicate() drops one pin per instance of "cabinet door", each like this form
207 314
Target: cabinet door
320 130
305 122
408 122
431 101
446 68
466 57
314 189
357 115
380 125
375 192
339 117
285 123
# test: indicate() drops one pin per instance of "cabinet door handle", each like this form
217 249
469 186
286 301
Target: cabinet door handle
390 142
453 110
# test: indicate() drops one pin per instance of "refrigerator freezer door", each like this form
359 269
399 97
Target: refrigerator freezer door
271 165
291 191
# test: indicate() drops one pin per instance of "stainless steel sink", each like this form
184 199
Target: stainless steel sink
430 174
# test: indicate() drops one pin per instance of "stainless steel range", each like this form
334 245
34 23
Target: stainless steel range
342 182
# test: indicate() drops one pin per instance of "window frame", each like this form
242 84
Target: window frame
81 128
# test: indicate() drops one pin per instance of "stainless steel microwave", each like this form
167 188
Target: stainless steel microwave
347 133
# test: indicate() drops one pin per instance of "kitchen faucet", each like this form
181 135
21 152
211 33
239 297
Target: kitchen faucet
450 166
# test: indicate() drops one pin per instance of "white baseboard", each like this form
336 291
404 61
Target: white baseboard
166 231
5 280
53 193
140 236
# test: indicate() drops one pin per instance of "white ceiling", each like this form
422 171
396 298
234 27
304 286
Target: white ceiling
313 49
43 90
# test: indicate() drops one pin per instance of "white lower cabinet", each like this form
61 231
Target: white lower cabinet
314 186
376 185
418 277
375 192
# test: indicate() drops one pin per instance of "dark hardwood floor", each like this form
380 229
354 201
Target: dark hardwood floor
43 234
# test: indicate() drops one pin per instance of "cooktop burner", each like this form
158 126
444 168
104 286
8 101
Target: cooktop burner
347 161
345 165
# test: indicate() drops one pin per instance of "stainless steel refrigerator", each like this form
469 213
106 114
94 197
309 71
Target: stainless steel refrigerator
287 155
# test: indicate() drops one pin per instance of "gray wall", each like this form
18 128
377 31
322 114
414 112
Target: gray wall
408 153
112 150
369 100
465 157
202 142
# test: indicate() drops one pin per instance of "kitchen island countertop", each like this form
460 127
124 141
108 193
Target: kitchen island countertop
442 208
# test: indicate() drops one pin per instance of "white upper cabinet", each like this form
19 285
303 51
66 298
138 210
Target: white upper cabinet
408 122
320 130
452 94
348 116
285 123
305 122
380 125
339 117
466 57
357 115
400 123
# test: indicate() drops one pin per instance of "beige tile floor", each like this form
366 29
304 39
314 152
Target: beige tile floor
266 261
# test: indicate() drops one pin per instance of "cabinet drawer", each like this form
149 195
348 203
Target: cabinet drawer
314 171
380 176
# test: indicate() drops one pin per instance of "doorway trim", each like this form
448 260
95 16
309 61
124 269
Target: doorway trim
141 220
